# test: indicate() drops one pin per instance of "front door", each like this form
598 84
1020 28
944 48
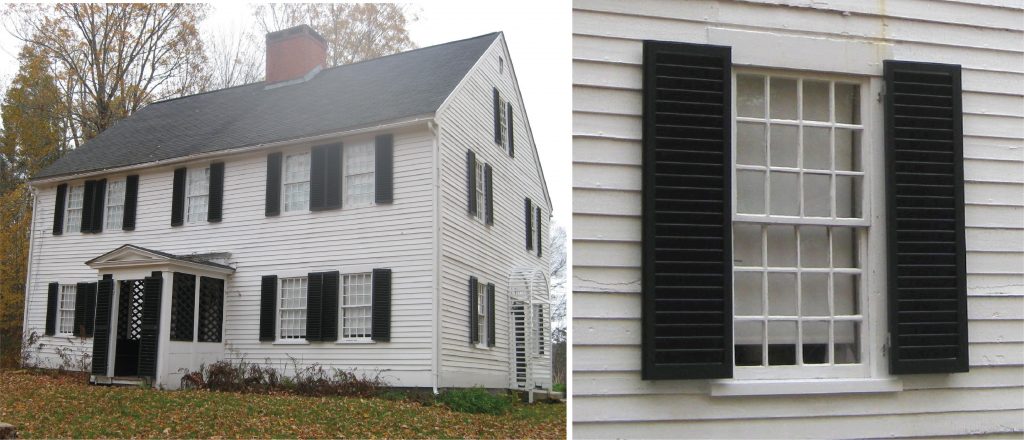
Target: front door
129 327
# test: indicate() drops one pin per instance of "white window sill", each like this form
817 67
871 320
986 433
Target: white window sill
482 347
355 341
291 342
732 387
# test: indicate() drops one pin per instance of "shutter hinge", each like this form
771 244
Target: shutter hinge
881 93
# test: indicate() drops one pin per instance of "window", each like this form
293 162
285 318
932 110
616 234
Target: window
799 229
198 192
501 65
296 182
503 120
481 193
73 214
115 205
359 183
67 309
356 306
292 308
481 314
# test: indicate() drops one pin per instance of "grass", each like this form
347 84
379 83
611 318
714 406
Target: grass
57 406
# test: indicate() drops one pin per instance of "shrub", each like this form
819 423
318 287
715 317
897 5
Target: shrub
476 400
255 378
558 387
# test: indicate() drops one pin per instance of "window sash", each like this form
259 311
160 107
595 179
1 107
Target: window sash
295 182
197 192
292 308
503 121
73 210
357 306
359 160
66 307
114 214
481 195
481 314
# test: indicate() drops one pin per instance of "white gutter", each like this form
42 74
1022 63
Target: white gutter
28 270
435 367
415 120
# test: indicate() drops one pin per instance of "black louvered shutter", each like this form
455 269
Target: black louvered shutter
471 180
101 335
149 342
329 314
540 233
325 177
511 132
925 218
314 305
332 177
490 315
52 297
497 117
58 209
214 211
85 309
99 204
268 310
474 335
131 200
183 297
528 217
273 198
488 195
88 204
381 305
384 174
687 240
178 198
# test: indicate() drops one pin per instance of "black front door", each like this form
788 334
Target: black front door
129 328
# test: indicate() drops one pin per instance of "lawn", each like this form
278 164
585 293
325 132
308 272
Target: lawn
47 406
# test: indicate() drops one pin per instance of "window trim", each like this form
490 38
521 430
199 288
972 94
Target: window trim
480 188
482 325
371 146
107 226
503 121
187 214
341 310
284 181
67 207
64 290
278 339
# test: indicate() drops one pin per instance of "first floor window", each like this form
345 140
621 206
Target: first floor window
296 182
481 313
359 177
292 308
197 190
67 309
73 211
481 195
114 205
356 306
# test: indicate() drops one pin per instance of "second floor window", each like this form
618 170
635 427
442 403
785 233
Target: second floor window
67 308
292 308
296 182
198 192
503 119
115 205
359 178
73 213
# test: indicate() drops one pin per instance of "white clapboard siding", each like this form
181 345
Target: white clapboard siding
397 236
841 36
470 248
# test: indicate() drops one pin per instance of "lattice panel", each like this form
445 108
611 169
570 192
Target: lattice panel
211 309
129 310
183 307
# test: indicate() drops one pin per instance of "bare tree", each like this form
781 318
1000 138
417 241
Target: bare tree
236 56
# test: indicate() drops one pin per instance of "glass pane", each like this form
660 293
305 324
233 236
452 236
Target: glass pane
784 145
847 103
847 197
847 348
781 342
749 340
817 195
782 294
783 98
845 294
746 244
817 148
813 246
750 192
844 248
815 342
748 293
782 242
816 100
750 96
814 294
750 143
784 193
847 150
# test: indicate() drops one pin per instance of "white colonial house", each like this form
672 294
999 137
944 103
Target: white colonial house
798 218
387 216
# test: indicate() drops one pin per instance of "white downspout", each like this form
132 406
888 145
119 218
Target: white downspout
435 367
31 255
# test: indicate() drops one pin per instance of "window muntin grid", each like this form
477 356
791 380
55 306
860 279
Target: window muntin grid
359 174
115 205
356 306
67 309
799 192
73 211
292 308
296 182
481 314
198 193
481 206
503 121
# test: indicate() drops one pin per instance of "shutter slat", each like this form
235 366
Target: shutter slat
925 218
214 210
511 131
381 320
332 176
540 233
178 198
81 304
131 199
488 195
528 217
474 336
317 178
314 306
150 340
58 209
268 310
490 315
687 255
101 335
273 190
329 316
471 181
88 205
497 117
384 179
52 297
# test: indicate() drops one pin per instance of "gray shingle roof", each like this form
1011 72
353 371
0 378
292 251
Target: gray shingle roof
340 98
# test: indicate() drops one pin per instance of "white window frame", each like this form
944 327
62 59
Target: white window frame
74 213
481 191
191 200
503 121
303 282
68 295
285 182
113 202
343 307
871 331
482 325
348 153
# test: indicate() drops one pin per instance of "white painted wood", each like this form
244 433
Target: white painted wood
839 36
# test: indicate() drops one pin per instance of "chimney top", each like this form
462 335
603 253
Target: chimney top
300 29
295 54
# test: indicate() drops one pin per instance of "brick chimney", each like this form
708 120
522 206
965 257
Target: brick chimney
293 53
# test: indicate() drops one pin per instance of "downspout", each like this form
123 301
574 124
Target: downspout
435 367
31 254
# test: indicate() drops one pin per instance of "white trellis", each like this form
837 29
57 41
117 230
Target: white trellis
530 324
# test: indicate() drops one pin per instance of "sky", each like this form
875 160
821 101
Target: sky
539 42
